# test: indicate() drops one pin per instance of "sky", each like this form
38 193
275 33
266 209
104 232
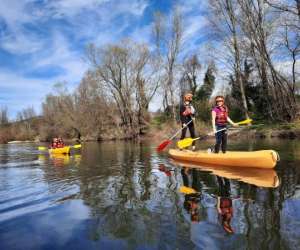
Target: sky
42 42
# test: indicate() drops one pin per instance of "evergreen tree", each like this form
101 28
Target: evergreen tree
207 88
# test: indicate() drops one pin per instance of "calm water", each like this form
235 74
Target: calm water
124 195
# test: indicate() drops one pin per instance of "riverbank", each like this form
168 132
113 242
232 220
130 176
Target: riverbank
161 131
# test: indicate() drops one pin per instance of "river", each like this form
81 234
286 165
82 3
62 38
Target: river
125 195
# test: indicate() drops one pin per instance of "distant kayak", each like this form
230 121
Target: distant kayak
255 159
64 150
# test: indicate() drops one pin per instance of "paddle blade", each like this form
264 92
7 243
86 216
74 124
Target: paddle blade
162 146
247 121
187 190
77 146
42 148
185 143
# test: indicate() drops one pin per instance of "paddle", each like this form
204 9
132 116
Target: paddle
77 146
165 143
187 190
188 141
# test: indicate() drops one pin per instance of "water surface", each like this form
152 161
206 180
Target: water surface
124 195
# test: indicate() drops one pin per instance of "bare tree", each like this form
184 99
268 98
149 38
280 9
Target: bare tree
292 44
126 74
171 42
59 112
258 30
3 116
26 114
191 69
289 30
96 114
225 20
292 7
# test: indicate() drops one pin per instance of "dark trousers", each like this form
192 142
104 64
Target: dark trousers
221 139
192 132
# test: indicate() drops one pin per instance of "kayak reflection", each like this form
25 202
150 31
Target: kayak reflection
193 196
60 160
255 176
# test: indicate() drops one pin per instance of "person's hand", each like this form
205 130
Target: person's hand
235 124
183 125
215 131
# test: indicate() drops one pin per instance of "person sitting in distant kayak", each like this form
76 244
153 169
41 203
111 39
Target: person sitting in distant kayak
57 143
187 117
220 119
60 143
54 143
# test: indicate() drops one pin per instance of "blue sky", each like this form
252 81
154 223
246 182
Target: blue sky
42 42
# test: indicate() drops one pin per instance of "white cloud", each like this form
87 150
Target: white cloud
21 43
19 92
61 29
62 8
14 12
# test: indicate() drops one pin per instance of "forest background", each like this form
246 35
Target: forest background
249 40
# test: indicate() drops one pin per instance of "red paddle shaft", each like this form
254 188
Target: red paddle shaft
167 142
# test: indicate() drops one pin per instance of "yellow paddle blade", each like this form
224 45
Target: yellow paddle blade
187 190
185 143
42 148
77 146
247 121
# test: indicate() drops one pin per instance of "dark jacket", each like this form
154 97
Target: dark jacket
183 117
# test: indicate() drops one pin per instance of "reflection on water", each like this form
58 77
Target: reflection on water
123 195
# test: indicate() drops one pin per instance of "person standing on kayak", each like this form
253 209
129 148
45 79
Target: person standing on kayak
220 119
187 117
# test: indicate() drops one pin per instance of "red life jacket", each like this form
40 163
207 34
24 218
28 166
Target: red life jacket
187 111
221 115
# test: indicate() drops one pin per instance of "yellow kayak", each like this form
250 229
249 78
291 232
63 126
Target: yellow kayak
255 176
64 150
254 159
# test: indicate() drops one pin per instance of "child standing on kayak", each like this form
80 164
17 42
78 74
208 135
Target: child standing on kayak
187 117
220 119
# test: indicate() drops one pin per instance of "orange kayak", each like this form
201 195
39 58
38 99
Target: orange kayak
253 159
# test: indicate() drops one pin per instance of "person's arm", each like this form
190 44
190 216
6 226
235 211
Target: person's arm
231 122
193 113
213 120
218 205
182 117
